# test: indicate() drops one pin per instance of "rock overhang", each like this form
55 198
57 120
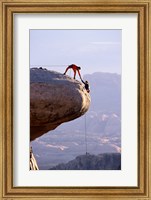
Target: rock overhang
54 99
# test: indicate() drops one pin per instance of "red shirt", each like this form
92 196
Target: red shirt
74 67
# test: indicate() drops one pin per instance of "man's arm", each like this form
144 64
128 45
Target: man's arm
79 75
82 81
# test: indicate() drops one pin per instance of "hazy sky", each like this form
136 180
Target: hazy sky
93 50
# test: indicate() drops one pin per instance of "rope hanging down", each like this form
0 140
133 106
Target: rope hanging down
85 135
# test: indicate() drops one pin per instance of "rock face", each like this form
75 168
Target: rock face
33 162
54 99
106 161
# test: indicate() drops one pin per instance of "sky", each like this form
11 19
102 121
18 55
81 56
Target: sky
92 50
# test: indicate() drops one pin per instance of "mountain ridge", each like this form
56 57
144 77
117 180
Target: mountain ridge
106 161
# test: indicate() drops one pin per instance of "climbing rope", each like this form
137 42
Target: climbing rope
85 135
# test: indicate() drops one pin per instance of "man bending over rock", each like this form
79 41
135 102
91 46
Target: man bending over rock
75 69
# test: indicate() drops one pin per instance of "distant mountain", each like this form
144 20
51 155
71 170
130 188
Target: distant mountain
105 161
105 91
103 123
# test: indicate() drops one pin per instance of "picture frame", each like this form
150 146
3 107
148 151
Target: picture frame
8 9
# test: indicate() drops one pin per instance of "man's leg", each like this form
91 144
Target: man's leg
66 70
74 73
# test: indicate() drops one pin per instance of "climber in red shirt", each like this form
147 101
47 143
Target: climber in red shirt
75 69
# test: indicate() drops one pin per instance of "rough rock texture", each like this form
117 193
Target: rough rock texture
54 99
33 162
106 161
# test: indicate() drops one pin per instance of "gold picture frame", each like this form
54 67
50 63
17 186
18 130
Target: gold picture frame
7 9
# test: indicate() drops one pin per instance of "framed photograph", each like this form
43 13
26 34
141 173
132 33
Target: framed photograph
75 79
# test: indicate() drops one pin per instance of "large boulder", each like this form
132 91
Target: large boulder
54 99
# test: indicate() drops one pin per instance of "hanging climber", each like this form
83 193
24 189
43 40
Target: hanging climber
75 69
87 86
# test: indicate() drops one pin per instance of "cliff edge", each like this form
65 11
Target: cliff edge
54 99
